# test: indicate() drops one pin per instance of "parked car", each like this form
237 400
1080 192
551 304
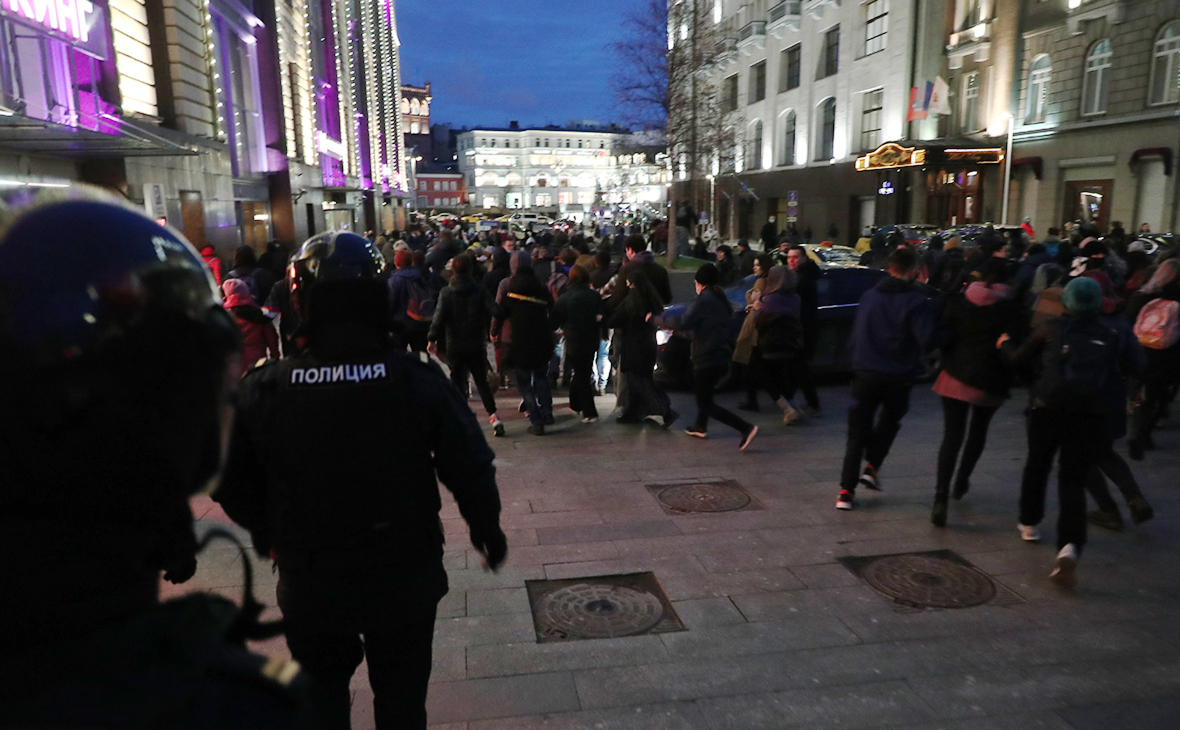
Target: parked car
839 255
839 288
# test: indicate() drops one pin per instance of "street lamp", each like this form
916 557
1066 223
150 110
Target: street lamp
1011 122
712 201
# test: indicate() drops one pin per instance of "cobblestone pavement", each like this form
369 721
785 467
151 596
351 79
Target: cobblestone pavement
779 632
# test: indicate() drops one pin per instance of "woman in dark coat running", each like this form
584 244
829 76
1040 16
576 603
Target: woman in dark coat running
780 338
526 306
635 331
975 378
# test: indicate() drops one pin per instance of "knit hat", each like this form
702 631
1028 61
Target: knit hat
403 259
237 294
1082 296
708 275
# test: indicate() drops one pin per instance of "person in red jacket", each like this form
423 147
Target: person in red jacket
212 262
259 338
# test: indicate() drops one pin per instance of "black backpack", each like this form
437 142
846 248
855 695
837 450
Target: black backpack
1079 360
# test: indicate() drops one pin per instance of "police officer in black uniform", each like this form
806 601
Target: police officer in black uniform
116 365
332 467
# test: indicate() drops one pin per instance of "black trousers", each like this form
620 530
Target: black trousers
1080 438
955 417
801 375
582 381
415 340
1109 463
476 364
775 376
870 437
399 655
704 383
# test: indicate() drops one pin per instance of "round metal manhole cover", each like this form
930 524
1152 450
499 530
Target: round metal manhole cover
589 611
704 498
920 580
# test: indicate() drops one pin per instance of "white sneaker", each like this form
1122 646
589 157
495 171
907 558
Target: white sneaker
1030 533
1066 572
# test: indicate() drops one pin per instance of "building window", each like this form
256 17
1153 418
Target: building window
421 184
754 154
971 102
790 62
1165 66
829 60
729 100
870 119
423 201
1038 90
437 186
826 149
757 82
1097 78
414 128
876 25
544 200
787 156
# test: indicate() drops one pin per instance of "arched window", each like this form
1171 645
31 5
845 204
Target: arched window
754 156
424 110
787 155
1038 89
414 128
405 105
489 180
513 179
826 118
1097 78
414 106
1165 66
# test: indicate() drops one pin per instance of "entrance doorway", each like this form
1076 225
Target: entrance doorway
255 224
1088 201
954 197
192 215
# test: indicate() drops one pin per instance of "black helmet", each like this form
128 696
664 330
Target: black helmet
331 256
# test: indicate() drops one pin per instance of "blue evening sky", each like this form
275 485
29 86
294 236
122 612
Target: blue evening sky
493 61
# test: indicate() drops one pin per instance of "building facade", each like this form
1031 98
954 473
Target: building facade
440 191
1096 102
564 171
235 122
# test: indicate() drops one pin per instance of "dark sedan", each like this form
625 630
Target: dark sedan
839 289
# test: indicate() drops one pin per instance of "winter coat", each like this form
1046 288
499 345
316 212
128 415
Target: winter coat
808 275
727 268
971 323
745 262
779 325
462 317
747 339
259 339
707 321
399 298
526 306
657 274
577 313
895 323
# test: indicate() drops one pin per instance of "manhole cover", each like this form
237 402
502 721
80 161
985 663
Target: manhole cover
601 607
703 497
939 579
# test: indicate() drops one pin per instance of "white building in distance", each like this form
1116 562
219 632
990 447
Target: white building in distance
563 170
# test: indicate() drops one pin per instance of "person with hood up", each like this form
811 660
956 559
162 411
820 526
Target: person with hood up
975 378
633 319
1083 361
246 268
525 306
778 319
895 323
402 284
259 339
578 314
461 323
214 263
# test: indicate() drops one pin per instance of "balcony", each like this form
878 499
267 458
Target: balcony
752 37
975 41
726 52
815 8
1113 11
787 14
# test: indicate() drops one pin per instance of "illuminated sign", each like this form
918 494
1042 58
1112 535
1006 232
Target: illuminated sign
886 188
984 156
891 155
81 23
331 147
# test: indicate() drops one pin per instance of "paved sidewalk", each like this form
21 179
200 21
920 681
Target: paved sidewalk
779 634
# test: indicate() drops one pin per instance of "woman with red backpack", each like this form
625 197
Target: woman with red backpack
1154 311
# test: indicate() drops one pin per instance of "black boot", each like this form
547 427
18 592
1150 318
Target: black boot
938 514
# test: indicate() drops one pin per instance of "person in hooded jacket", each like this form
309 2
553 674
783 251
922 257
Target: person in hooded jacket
210 257
777 317
413 332
633 319
578 313
501 269
975 378
808 275
461 322
259 339
525 306
274 260
247 269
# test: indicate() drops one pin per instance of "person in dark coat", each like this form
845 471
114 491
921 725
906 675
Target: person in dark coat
578 313
526 305
640 259
777 319
412 331
807 274
603 270
1162 373
500 270
633 319
769 235
726 267
274 259
461 322
975 378
246 268
744 259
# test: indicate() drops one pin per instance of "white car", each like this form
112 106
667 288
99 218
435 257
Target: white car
525 219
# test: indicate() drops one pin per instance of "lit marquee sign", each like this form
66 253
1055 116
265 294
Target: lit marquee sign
80 23
891 155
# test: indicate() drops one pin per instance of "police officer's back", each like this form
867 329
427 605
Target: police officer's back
332 467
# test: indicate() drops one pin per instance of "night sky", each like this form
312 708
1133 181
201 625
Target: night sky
493 61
